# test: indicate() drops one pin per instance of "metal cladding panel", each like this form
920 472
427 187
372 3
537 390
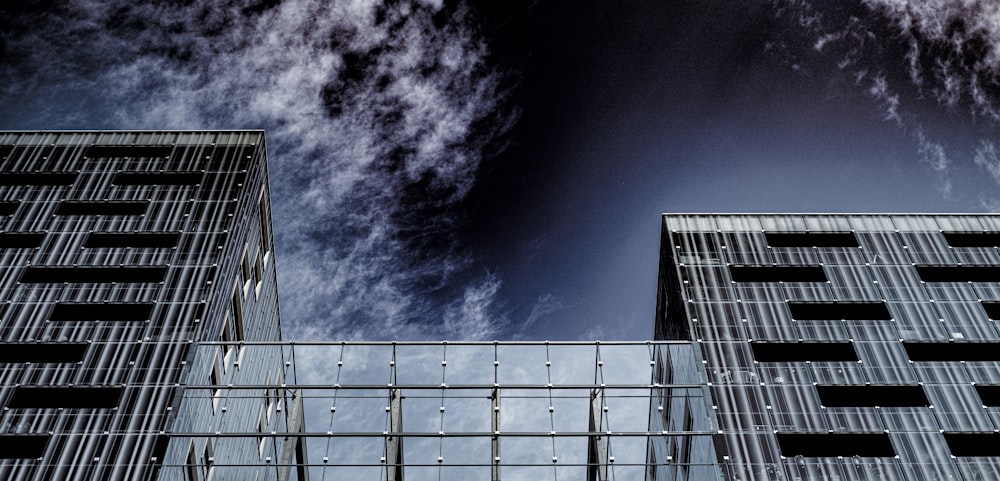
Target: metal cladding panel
883 366
135 240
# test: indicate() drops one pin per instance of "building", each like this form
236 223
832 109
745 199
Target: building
842 346
123 252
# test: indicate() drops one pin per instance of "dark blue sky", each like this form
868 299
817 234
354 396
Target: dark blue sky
497 169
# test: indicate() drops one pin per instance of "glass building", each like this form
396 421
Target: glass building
122 253
842 347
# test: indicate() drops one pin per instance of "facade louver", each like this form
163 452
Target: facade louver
122 253
842 347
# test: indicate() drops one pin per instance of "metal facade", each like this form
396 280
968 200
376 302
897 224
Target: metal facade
120 252
842 347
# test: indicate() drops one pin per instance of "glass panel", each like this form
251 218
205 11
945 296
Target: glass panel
573 364
420 365
469 364
365 365
468 410
521 365
625 364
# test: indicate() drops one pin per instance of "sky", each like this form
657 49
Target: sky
497 170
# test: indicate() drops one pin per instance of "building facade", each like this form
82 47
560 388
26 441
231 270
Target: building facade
842 347
122 252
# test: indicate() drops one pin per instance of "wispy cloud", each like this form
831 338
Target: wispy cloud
903 53
377 114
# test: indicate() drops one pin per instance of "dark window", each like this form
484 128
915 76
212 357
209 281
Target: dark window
42 352
8 208
870 396
117 151
65 397
835 444
811 239
101 208
15 446
972 239
973 444
992 309
121 239
959 273
819 311
21 240
803 351
157 178
93 274
37 178
101 312
990 395
5 150
952 351
778 273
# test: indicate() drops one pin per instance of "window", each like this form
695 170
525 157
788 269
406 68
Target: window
93 311
136 239
990 395
871 396
22 446
157 178
835 444
803 351
62 352
75 397
8 208
191 465
820 311
5 150
777 273
973 444
37 178
239 332
952 351
992 309
21 240
258 271
261 431
265 225
101 208
811 239
208 461
972 239
959 273
121 151
37 275
215 379
246 271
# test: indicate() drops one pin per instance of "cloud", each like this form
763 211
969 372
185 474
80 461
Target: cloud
377 116
911 57
986 157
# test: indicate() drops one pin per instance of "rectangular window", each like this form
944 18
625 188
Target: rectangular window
121 151
871 396
959 273
21 240
5 150
37 275
811 239
42 352
261 431
215 379
265 225
990 395
157 178
972 239
8 208
101 208
37 178
137 239
246 270
992 309
952 351
258 271
973 444
75 397
191 464
822 311
239 330
835 444
22 446
118 312
803 351
777 273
